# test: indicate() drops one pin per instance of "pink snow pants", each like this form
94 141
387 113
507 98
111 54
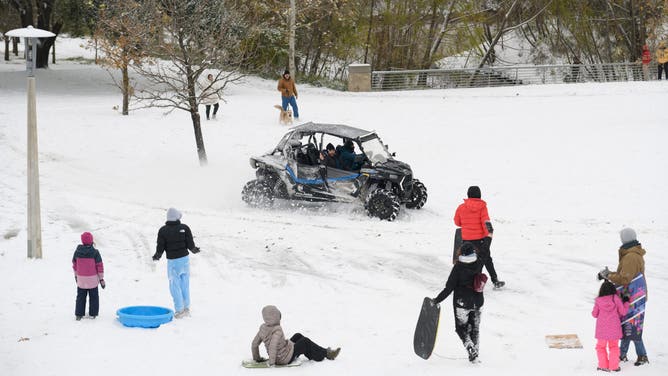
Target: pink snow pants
610 362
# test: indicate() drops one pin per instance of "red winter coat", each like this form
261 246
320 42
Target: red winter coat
646 57
471 217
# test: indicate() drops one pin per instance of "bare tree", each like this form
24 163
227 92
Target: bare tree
119 35
199 37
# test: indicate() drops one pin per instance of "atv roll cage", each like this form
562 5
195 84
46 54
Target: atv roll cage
375 150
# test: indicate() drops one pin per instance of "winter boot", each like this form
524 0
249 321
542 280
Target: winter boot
623 358
642 359
499 284
180 314
187 312
473 353
79 318
332 354
602 369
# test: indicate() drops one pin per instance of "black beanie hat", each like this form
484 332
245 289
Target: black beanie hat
467 249
473 192
286 72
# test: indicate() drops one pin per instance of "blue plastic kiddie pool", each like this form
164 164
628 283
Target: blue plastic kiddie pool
144 316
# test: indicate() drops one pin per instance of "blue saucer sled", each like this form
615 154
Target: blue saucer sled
144 316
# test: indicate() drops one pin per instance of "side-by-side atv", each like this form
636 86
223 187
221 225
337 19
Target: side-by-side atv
296 170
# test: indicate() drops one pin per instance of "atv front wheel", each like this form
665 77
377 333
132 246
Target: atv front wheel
383 204
257 194
418 196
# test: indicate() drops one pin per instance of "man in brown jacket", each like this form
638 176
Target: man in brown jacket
288 89
630 281
280 350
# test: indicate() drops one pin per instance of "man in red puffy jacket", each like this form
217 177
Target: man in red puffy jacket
473 218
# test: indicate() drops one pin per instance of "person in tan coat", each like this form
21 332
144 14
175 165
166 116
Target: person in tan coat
288 89
280 350
662 59
630 282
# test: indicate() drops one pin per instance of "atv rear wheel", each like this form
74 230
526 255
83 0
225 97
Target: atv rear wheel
383 204
257 194
418 196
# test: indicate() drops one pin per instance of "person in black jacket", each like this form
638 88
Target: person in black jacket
175 239
328 157
466 301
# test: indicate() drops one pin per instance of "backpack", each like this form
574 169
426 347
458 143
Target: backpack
479 281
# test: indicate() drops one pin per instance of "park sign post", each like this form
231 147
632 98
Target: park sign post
31 35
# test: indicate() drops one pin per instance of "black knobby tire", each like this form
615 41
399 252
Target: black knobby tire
383 204
256 193
279 190
418 196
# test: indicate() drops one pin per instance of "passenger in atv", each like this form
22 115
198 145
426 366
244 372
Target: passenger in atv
328 157
348 160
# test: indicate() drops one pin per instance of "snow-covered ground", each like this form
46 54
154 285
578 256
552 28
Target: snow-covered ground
563 168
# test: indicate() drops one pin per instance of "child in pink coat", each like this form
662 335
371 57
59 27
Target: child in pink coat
608 310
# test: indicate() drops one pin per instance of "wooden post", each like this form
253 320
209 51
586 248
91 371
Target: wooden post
34 220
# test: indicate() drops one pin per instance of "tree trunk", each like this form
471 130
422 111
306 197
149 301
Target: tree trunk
197 125
15 46
199 139
53 53
125 89
43 48
634 37
368 35
6 48
292 21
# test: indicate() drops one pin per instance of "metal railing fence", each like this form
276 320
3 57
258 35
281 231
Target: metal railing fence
507 76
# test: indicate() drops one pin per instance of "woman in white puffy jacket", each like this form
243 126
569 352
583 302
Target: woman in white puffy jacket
209 96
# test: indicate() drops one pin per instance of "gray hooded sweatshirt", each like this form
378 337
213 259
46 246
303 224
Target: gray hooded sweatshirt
279 349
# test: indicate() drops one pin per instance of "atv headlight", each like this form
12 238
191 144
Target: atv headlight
253 163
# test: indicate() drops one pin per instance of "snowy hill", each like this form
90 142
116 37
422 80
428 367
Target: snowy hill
563 168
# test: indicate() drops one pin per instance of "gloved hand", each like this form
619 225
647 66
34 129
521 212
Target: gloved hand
102 284
625 298
603 274
195 250
156 258
75 279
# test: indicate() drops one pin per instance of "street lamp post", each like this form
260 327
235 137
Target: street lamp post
34 222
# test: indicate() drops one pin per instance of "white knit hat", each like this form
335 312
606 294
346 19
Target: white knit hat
627 235
173 215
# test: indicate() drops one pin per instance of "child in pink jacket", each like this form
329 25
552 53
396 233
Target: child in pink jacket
608 310
88 273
